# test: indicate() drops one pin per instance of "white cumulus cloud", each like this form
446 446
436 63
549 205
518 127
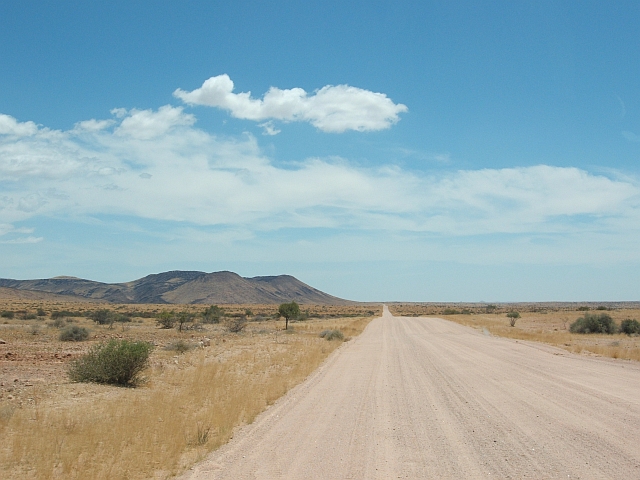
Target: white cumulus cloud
10 126
147 124
333 108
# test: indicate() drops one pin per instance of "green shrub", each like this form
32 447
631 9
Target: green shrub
7 314
117 362
450 311
332 335
41 312
601 307
166 319
583 309
593 323
630 326
212 314
101 317
74 333
121 318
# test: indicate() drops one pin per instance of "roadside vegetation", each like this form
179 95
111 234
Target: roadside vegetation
605 330
71 419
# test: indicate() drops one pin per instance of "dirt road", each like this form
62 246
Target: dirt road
427 398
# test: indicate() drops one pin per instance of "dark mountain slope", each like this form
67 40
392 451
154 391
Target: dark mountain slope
184 287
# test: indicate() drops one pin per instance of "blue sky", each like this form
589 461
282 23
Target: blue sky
417 151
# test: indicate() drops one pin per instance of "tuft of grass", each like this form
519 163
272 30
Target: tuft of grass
332 335
202 434
73 333
179 346
57 323
117 362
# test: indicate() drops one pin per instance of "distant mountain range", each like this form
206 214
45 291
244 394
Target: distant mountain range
178 287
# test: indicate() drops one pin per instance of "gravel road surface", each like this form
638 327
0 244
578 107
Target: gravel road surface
428 398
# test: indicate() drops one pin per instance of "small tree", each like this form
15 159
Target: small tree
512 318
289 311
182 318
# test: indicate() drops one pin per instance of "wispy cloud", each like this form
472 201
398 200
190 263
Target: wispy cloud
156 164
632 137
23 240
332 108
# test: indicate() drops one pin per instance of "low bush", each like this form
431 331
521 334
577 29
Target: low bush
212 314
593 323
450 311
166 319
101 317
121 318
180 346
7 314
57 323
332 335
583 309
117 362
630 326
236 325
74 333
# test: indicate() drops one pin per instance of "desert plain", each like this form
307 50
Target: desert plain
421 391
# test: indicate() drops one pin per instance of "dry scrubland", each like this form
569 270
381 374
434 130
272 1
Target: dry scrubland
189 405
540 323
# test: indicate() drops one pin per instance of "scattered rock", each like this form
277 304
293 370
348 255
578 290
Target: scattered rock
2 342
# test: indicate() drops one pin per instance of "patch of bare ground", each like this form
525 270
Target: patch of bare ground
189 405
546 323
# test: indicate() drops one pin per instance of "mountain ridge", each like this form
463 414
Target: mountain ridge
183 287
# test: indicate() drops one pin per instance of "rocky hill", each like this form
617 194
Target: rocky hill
183 287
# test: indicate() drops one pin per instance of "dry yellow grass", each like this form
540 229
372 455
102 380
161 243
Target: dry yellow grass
190 405
549 326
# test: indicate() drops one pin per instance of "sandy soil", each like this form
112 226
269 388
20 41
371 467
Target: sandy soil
428 398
